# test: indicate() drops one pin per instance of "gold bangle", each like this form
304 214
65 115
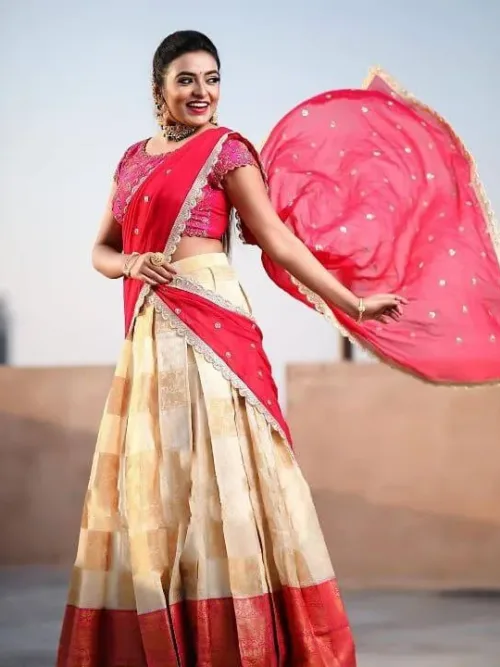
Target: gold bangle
361 309
129 263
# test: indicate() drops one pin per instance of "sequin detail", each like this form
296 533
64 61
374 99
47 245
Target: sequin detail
132 170
210 217
234 154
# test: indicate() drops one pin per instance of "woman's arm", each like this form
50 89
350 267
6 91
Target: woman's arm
108 257
247 192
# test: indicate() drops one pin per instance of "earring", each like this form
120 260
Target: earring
215 118
159 108
159 116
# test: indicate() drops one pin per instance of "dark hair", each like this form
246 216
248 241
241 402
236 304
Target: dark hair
176 45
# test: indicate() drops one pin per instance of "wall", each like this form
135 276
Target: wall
48 421
405 476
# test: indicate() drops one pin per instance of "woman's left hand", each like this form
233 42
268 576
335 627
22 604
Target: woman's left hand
384 307
152 268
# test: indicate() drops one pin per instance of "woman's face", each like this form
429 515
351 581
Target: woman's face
191 88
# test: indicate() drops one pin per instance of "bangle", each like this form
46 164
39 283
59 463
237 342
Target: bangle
129 263
361 309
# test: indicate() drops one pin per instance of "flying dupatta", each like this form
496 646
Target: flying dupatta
385 195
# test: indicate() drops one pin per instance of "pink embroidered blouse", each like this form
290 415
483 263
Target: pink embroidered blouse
210 217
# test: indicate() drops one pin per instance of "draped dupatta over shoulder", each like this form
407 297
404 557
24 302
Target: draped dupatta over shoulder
380 188
156 216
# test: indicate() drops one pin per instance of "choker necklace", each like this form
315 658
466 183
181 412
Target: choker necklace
178 132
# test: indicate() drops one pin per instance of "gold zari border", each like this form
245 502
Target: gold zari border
183 216
475 182
194 287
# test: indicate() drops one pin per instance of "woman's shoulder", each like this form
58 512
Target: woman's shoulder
128 154
134 148
237 151
235 138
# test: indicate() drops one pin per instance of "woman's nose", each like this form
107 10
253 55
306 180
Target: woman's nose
200 89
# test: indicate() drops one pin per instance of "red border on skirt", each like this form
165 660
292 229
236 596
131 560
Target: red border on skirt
292 627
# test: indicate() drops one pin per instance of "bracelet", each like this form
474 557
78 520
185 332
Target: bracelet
361 309
129 263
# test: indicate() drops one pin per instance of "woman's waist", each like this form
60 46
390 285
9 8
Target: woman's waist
211 273
190 264
195 246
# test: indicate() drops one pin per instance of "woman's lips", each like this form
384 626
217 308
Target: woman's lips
197 109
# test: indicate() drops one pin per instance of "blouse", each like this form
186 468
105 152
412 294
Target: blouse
210 216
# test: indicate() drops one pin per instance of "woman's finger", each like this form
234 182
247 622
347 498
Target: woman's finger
148 280
170 268
154 275
149 276
158 271
162 269
165 265
161 272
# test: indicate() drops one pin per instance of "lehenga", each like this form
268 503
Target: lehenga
199 542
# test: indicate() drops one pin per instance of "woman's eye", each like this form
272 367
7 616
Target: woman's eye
184 81
214 80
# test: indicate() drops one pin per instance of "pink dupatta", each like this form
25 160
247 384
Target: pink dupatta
382 191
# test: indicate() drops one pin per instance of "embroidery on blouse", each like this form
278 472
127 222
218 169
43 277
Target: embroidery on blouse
234 155
132 170
182 218
201 221
238 223
192 200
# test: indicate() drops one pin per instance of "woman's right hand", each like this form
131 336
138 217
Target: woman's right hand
144 269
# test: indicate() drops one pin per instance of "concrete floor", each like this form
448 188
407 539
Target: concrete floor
392 630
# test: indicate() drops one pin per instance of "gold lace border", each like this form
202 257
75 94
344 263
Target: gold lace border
192 198
320 305
209 355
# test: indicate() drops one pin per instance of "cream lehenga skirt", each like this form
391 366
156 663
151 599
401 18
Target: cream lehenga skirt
199 542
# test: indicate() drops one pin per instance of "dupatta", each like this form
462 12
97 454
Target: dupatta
155 218
382 191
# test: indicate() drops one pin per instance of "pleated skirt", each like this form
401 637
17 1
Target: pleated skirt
199 543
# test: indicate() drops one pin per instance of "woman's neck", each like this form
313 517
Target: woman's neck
159 145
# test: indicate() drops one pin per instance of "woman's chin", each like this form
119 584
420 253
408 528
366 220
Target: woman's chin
195 120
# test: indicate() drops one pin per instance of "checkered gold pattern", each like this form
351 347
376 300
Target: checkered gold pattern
191 494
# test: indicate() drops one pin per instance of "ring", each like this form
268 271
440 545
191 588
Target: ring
157 258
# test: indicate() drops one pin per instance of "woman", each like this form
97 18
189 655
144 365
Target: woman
199 542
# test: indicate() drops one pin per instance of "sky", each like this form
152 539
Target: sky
75 92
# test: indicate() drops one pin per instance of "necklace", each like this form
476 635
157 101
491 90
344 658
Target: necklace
178 132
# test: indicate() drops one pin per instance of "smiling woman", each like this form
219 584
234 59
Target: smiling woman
191 84
199 542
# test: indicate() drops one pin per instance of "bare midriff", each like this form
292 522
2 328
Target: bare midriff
194 245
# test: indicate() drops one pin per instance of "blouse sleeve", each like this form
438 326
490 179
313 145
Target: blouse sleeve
131 151
116 175
234 154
